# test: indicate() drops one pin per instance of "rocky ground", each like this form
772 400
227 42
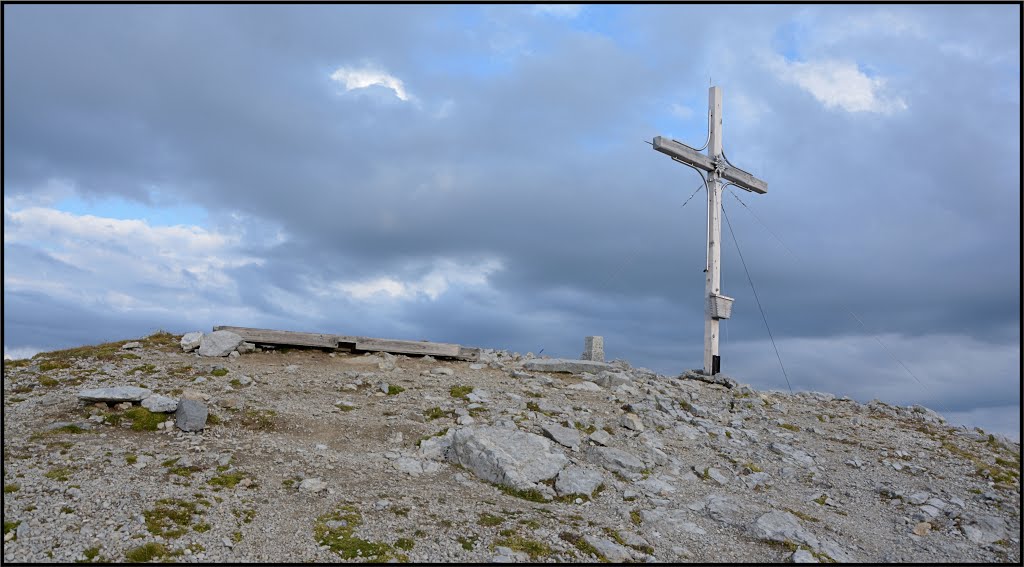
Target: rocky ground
314 456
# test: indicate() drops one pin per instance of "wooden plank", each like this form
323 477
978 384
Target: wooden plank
469 353
271 337
409 347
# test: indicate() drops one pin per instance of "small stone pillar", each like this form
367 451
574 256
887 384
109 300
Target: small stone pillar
593 349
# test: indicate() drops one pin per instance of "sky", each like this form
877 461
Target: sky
480 174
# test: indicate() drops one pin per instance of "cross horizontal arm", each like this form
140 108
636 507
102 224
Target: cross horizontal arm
692 157
684 153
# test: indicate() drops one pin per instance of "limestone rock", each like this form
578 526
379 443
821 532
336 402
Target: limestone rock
506 456
160 404
117 394
312 485
134 345
616 460
190 341
218 343
585 386
601 437
190 415
575 479
611 551
632 421
562 435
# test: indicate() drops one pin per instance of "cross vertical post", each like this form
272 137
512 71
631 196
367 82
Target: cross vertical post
719 173
713 277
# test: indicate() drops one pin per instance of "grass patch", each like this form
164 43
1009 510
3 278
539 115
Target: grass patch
162 340
490 520
10 527
534 549
258 420
90 554
171 517
218 372
405 543
227 480
587 429
395 390
460 391
131 458
820 500
145 369
48 382
532 406
146 553
634 516
340 539
789 426
143 419
802 516
201 528
753 468
105 351
61 474
581 544
436 413
531 494
9 488
467 542
532 524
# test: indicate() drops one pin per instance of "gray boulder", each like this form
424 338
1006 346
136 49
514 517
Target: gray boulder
616 460
190 415
610 551
562 435
219 343
190 341
160 404
118 394
578 480
506 456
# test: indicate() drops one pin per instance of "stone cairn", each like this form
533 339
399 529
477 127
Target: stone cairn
593 349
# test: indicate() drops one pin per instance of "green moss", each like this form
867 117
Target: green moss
532 406
341 539
59 473
48 365
532 524
436 413
227 480
9 488
581 544
236 383
91 553
146 553
532 494
820 500
131 458
171 517
246 516
143 419
634 516
219 372
404 543
789 426
802 516
587 429
145 369
467 542
258 420
48 382
753 468
534 549
460 391
394 390
490 520
10 527
201 528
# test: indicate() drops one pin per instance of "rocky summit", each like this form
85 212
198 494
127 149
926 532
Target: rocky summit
204 449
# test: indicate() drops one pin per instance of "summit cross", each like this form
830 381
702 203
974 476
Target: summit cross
718 169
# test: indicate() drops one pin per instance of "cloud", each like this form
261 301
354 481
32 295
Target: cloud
360 78
566 11
443 275
838 84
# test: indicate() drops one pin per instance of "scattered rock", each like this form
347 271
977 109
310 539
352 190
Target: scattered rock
616 460
585 386
131 346
190 415
190 341
601 437
160 404
312 485
565 365
562 435
611 551
575 479
506 456
117 394
218 343
632 421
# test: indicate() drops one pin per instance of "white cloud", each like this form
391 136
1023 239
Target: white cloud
360 78
837 84
567 11
444 274
121 262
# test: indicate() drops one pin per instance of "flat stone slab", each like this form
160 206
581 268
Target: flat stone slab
218 343
118 394
565 365
160 404
506 456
